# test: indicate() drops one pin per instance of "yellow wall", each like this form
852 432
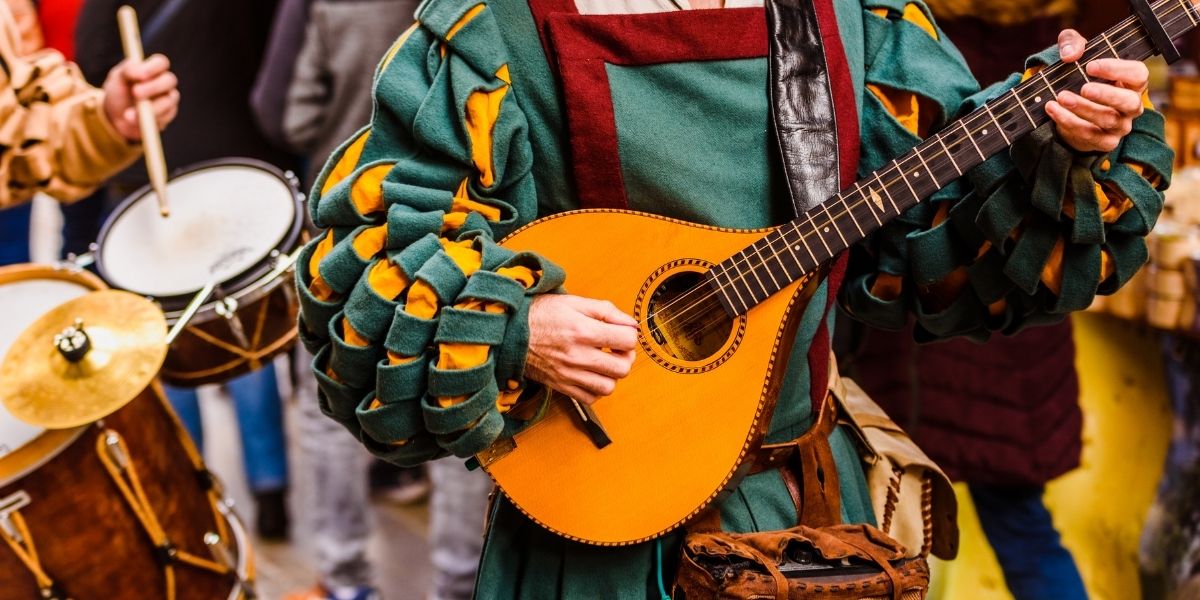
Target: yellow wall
1099 508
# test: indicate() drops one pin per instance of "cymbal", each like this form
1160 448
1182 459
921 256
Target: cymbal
55 377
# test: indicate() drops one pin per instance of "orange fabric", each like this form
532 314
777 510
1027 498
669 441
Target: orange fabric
370 242
367 193
913 14
318 287
483 109
346 164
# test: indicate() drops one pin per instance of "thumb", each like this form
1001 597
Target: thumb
1071 45
604 310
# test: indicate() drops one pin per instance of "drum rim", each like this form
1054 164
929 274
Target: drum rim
248 277
51 442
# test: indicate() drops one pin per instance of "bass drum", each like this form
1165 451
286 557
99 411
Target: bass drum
234 222
121 508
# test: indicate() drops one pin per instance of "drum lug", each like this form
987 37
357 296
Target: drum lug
112 444
8 506
227 307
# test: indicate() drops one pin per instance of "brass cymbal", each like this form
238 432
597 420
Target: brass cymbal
55 378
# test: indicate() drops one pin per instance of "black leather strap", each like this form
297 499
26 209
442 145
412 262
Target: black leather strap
802 103
1158 33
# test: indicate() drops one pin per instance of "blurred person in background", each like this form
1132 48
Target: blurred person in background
313 93
216 47
94 133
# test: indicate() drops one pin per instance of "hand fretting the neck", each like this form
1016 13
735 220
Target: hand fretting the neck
800 247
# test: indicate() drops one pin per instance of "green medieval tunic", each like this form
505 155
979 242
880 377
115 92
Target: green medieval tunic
489 116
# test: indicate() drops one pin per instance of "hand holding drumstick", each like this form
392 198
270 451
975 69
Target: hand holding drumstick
140 99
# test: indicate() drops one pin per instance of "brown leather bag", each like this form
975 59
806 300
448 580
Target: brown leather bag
840 562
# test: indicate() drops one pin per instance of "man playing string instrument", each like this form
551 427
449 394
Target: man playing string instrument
489 116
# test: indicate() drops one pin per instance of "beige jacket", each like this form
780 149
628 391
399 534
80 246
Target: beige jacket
54 135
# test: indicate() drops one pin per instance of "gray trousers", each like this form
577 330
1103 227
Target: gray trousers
458 504
336 509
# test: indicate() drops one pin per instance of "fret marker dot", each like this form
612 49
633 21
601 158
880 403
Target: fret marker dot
797 247
1037 99
826 230
984 132
916 173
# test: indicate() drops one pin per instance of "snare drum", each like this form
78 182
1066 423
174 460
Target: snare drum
122 508
234 222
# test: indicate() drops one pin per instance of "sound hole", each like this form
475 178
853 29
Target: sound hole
686 320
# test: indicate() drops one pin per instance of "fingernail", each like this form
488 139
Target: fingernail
1068 49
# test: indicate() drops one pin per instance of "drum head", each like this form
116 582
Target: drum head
226 219
26 293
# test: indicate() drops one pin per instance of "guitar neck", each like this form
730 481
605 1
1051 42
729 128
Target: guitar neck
803 245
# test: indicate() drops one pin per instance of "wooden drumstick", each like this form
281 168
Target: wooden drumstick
156 164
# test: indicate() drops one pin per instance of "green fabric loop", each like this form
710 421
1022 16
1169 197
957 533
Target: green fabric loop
444 276
406 226
368 312
476 439
510 355
1029 257
448 383
464 326
404 382
960 318
1147 201
311 342
419 450
493 287
336 208
315 196
442 421
317 313
1129 255
1026 152
410 259
492 255
342 267
1081 278
1087 228
340 399
417 198
1002 212
934 254
1053 176
409 335
390 423
354 365
989 288
861 304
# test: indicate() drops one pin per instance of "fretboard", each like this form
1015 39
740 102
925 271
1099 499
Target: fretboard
801 246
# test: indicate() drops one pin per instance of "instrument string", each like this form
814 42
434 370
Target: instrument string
894 167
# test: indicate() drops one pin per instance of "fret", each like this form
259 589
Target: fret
716 280
1188 9
858 189
833 223
1082 72
1023 109
813 225
807 247
967 134
949 155
988 108
761 285
788 244
763 263
791 269
917 151
904 178
886 192
1053 92
1104 36
853 219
